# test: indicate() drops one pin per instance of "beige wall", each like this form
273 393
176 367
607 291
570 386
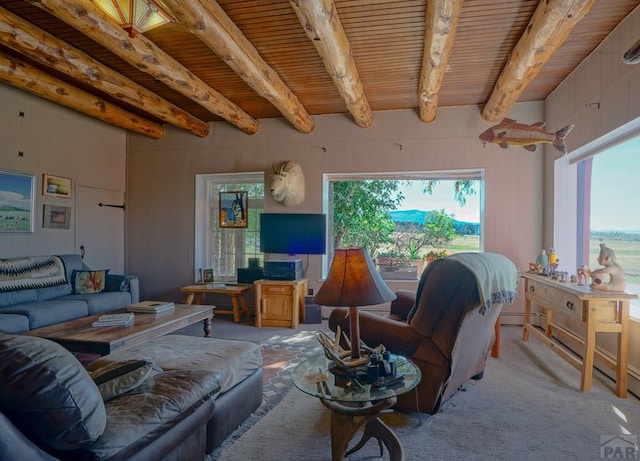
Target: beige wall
160 204
600 96
55 140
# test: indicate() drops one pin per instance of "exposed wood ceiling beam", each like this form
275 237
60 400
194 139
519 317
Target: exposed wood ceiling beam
147 57
22 75
319 19
208 21
548 29
441 21
50 51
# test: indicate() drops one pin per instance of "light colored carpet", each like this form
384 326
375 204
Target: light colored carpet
527 407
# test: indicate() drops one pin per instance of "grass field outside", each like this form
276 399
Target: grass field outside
15 220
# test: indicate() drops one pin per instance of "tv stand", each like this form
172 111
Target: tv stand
280 303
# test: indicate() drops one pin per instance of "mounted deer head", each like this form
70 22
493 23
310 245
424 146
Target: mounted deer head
287 185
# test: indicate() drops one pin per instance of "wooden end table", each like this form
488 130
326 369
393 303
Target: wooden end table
79 336
197 293
353 404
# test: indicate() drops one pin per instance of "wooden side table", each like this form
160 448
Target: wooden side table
601 312
280 303
354 405
196 294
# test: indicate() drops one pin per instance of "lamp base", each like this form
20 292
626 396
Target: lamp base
354 332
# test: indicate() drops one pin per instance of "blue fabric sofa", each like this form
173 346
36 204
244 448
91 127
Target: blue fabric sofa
34 295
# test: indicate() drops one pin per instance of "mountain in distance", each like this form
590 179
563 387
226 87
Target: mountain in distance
420 216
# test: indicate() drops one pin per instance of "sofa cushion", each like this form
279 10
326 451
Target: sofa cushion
87 282
73 262
45 313
153 407
13 323
120 377
48 394
53 292
117 282
99 303
14 445
234 360
17 297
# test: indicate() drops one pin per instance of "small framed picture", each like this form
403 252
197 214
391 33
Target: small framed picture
233 208
56 186
207 275
56 217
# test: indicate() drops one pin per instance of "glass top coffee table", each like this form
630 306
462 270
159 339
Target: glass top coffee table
353 403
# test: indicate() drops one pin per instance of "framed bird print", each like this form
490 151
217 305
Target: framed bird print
233 206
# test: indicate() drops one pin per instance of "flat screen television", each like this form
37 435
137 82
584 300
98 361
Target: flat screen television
293 233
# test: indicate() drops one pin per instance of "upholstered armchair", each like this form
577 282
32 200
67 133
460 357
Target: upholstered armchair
446 327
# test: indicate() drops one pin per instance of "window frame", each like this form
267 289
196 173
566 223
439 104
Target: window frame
571 197
585 169
478 174
207 218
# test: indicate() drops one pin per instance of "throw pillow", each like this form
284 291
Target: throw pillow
86 282
47 393
117 283
120 377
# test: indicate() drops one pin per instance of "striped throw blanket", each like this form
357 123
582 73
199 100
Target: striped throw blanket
31 272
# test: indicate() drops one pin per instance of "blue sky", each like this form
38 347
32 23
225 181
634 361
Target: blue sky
15 190
615 196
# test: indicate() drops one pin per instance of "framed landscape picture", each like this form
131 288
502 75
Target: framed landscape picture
17 193
233 207
56 186
56 217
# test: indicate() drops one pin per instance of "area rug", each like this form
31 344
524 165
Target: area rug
527 407
280 355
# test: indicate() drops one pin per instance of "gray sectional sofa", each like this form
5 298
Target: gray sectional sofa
50 408
39 291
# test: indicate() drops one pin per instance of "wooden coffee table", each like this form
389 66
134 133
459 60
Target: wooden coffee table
79 336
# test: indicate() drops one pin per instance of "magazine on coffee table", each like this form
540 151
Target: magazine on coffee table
114 320
150 307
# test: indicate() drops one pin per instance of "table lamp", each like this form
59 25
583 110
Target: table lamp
353 281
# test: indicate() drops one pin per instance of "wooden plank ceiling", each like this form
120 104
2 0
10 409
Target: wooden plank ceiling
300 58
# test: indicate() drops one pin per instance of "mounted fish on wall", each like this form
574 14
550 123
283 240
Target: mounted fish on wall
511 133
632 56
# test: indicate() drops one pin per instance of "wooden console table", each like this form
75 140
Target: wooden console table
196 294
601 312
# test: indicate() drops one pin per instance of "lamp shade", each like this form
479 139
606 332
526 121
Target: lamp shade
135 15
353 281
